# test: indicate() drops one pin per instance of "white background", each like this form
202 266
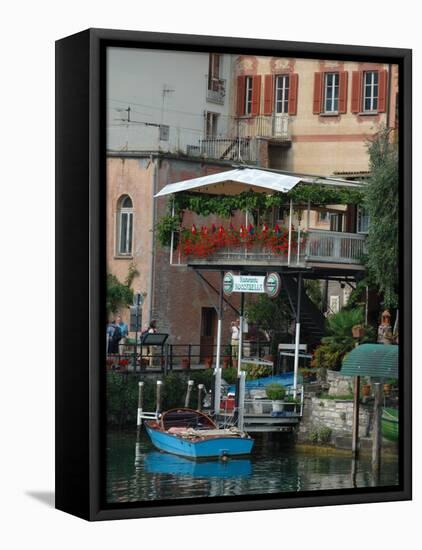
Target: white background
28 32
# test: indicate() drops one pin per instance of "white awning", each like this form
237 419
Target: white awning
233 182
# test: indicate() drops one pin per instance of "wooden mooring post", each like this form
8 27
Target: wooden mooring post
376 429
188 392
200 388
355 426
140 404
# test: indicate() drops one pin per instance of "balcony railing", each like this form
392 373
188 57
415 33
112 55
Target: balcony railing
229 149
272 126
316 246
216 90
335 247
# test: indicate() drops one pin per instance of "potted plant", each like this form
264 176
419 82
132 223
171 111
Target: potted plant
276 393
358 331
208 362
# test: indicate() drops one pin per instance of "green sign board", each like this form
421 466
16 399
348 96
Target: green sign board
272 285
257 284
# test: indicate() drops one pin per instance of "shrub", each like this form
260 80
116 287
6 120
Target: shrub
324 434
313 436
230 375
253 372
275 391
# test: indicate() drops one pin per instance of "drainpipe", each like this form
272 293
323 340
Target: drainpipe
152 258
297 335
388 96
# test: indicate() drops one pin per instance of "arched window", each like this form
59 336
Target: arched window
124 226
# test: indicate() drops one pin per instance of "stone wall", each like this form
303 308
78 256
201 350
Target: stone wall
335 414
339 385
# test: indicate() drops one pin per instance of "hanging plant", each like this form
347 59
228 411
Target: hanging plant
165 227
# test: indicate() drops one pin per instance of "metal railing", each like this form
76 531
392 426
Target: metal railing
270 126
229 148
216 90
136 358
315 246
345 248
288 408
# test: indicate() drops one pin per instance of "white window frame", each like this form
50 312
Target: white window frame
369 83
211 124
331 92
361 215
248 95
124 212
214 78
282 83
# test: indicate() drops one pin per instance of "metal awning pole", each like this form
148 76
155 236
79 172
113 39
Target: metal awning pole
172 236
297 334
308 216
241 400
217 372
289 251
219 322
239 361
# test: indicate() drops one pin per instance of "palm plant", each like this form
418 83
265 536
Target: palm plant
340 325
339 340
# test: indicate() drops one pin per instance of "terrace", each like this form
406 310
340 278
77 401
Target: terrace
316 248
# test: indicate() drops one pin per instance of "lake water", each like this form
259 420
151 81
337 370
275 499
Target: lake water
138 472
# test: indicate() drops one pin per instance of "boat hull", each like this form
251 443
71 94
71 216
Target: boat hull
215 447
390 424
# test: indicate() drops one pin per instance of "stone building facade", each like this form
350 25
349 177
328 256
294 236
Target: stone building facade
175 297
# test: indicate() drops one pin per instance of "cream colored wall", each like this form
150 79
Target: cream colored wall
320 144
134 178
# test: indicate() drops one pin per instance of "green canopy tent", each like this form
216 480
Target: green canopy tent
377 361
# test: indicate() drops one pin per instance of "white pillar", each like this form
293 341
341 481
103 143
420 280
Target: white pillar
239 353
218 351
217 390
241 400
242 304
289 251
140 404
296 361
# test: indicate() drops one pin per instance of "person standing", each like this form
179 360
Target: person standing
152 329
235 332
114 335
124 330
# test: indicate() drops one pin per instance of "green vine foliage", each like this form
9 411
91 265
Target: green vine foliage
224 206
165 227
119 295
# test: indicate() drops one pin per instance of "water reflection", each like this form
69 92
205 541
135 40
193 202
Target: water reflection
162 463
136 471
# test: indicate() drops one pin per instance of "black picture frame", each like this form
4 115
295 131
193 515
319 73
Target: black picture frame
80 271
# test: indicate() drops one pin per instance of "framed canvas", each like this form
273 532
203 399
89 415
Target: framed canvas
234 240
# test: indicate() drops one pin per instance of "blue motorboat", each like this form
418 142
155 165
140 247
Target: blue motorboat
193 434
